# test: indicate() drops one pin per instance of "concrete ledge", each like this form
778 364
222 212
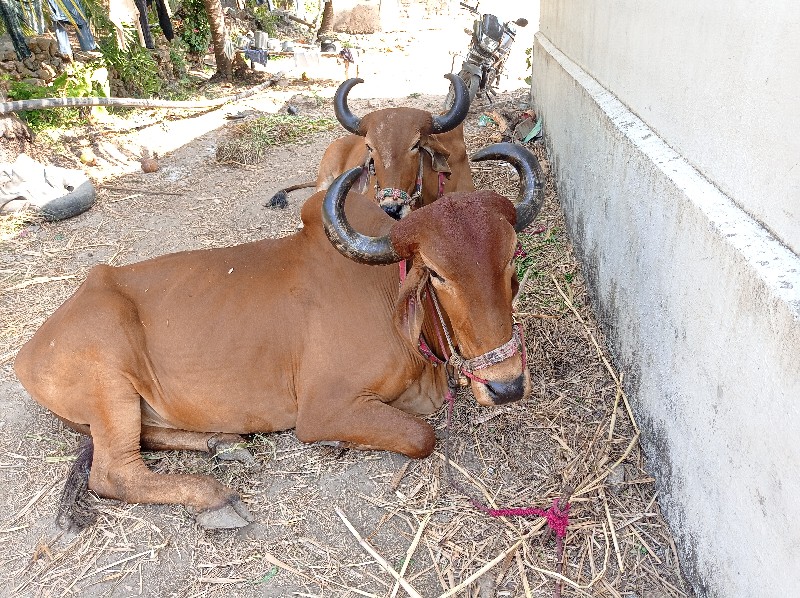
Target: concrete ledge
702 309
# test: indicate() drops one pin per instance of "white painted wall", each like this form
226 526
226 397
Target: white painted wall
673 133
718 80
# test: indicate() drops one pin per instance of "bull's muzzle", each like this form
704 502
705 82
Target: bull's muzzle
506 392
508 384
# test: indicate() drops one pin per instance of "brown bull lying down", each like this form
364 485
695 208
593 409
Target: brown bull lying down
187 350
398 145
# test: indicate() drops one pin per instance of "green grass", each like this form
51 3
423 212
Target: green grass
251 140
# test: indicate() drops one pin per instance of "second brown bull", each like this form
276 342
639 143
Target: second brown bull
412 157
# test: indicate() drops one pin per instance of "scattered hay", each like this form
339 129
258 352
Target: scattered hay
249 141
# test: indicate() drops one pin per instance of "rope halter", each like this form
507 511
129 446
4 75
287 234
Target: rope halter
463 370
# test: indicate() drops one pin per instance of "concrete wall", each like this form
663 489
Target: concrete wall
659 136
718 80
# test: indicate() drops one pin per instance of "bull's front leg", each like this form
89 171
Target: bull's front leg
367 423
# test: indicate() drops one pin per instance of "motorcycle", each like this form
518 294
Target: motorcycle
487 53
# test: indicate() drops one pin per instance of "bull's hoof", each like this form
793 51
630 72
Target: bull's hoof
235 452
230 447
229 516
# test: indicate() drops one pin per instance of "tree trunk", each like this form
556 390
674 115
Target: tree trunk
216 20
326 25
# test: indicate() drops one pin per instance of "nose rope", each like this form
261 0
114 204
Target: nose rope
557 516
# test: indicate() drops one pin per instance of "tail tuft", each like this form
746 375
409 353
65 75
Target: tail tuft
279 200
74 510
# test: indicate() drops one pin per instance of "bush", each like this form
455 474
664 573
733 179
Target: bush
134 65
78 81
192 26
266 20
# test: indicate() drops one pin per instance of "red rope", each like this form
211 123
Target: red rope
557 519
472 376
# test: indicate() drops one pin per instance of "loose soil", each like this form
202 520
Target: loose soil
574 438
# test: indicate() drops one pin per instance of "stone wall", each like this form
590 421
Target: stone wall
47 63
40 69
359 16
418 8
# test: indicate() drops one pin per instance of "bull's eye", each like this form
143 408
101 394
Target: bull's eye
415 147
369 149
435 276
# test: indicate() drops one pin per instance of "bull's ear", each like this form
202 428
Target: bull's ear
409 312
438 152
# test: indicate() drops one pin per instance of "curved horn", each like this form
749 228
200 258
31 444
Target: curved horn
531 193
348 120
354 245
458 111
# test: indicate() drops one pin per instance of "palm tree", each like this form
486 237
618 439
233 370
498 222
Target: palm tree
216 21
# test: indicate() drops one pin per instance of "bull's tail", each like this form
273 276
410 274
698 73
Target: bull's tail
279 200
74 510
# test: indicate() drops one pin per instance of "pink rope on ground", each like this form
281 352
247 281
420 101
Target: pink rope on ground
557 519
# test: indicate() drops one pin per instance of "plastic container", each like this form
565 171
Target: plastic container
261 40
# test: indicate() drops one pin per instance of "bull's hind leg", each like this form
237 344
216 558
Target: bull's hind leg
119 472
81 364
226 447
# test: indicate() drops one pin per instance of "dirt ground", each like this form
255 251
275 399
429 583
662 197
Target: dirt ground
574 438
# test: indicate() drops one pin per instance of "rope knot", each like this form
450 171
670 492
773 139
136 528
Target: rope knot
558 519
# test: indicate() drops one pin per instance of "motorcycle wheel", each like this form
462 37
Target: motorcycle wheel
473 83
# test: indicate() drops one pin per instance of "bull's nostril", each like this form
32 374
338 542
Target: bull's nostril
506 392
